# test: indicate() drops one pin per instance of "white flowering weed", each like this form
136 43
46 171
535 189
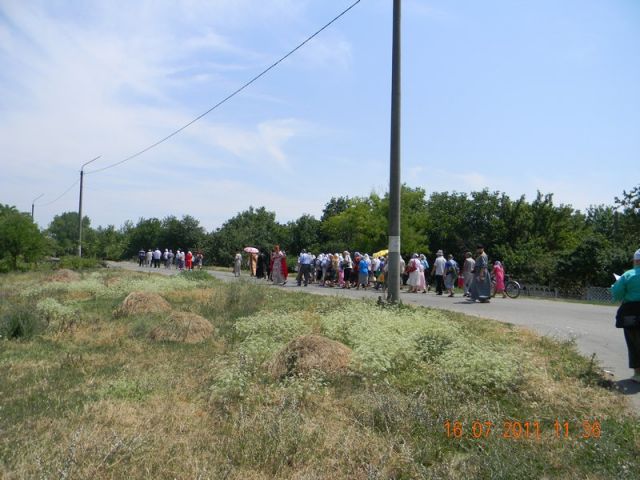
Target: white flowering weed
265 333
95 285
482 365
53 311
385 339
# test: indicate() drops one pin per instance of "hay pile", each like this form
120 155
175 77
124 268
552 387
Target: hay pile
65 275
308 353
140 303
183 327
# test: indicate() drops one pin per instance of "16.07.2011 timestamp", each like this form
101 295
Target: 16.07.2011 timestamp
516 430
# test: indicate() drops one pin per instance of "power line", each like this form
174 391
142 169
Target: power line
228 97
61 195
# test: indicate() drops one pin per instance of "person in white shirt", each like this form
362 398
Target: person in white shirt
157 254
438 271
304 268
467 272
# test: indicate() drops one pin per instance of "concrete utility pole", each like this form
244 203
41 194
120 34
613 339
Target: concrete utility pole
393 280
33 204
80 206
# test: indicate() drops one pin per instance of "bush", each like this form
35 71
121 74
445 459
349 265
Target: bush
20 321
76 263
196 275
56 315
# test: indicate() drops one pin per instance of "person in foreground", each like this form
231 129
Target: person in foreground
627 290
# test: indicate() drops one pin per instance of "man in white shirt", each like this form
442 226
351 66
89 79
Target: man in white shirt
157 254
304 267
438 271
467 272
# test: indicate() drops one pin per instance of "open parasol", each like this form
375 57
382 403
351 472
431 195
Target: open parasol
381 253
251 250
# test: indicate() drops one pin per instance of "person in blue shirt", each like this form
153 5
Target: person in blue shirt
627 290
363 273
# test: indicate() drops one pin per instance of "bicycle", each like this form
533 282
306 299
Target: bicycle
511 287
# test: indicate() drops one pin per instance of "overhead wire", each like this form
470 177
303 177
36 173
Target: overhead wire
59 196
228 97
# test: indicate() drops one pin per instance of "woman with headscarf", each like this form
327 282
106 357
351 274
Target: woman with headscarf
424 267
451 271
627 290
413 268
261 267
253 263
481 284
237 264
498 274
347 266
278 266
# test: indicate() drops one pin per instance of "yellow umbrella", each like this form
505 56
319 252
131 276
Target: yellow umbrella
381 253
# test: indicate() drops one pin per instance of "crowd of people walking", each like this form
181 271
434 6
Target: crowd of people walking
180 260
364 271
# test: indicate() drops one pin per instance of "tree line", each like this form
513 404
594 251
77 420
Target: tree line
538 241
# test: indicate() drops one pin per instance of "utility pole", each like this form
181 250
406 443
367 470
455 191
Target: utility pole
393 280
80 206
33 204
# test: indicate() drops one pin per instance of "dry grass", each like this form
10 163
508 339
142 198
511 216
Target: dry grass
138 303
309 353
183 327
65 275
104 402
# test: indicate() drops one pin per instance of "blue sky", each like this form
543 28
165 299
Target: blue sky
515 96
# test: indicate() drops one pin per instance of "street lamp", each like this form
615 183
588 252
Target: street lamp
80 205
33 203
394 164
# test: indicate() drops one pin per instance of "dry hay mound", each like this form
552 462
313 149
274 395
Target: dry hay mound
308 353
65 275
140 303
183 327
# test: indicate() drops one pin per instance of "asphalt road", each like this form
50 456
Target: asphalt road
592 326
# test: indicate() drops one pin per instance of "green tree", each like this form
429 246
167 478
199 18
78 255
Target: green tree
146 234
335 206
109 243
362 226
253 227
414 220
303 233
64 231
185 233
19 236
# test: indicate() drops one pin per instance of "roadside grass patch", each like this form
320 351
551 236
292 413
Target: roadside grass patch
142 303
182 327
101 400
20 322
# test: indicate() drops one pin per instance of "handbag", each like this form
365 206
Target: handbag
628 315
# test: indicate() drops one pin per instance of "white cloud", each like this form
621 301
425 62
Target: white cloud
110 78
327 52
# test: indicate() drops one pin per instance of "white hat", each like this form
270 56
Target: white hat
636 256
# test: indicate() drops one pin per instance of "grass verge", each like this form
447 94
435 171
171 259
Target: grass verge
427 394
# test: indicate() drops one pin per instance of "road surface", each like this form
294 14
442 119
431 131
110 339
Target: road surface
592 326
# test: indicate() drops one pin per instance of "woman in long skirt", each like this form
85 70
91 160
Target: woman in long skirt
498 272
414 273
237 263
422 281
481 284
278 266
